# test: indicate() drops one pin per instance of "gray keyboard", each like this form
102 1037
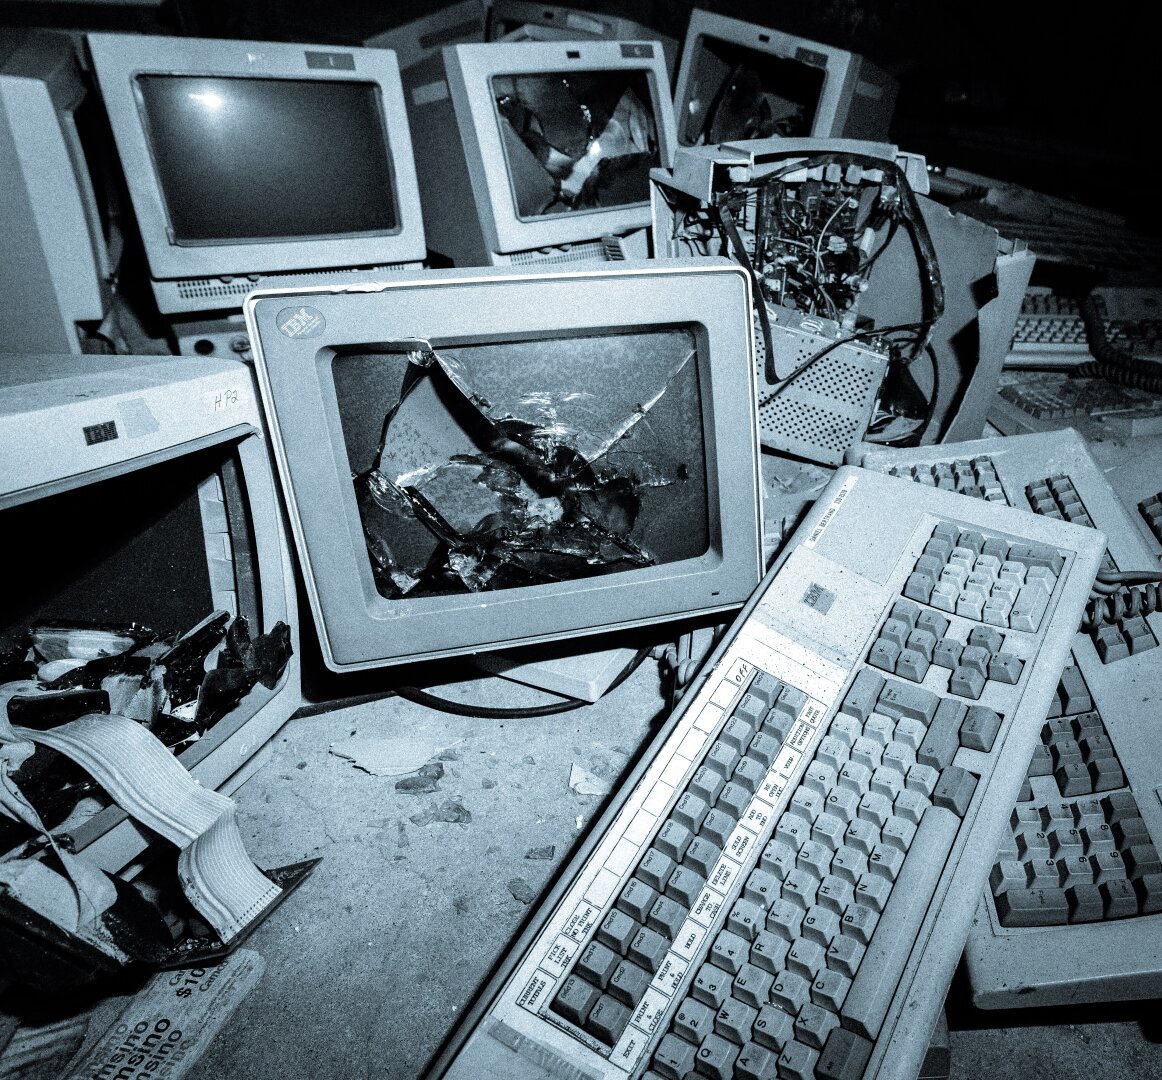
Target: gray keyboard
785 883
1073 911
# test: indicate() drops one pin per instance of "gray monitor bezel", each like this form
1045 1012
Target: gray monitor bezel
359 628
118 59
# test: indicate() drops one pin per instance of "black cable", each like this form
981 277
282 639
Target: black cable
1141 600
930 281
735 241
1111 362
913 437
892 230
486 712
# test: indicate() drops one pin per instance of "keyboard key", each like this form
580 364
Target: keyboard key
673 839
702 855
597 964
607 1019
814 1024
966 682
752 985
797 1061
899 699
943 737
979 729
774 1027
711 986
1033 907
769 951
684 886
648 949
655 869
575 999
790 992
690 811
735 1020
666 917
870 995
636 899
629 982
716 1057
674 1057
845 1056
746 919
694 1020
755 1062
718 825
617 931
954 790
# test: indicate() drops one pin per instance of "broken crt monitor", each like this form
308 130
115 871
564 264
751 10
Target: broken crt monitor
149 573
482 459
539 152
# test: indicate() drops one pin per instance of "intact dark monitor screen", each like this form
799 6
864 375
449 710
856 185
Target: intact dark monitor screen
739 93
480 466
577 141
245 160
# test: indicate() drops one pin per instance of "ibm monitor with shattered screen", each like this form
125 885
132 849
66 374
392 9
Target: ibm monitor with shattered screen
483 459
739 80
535 152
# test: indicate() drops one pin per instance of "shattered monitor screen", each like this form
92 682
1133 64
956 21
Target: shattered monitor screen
577 141
739 93
268 159
490 465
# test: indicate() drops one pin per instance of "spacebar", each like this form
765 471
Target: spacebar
879 972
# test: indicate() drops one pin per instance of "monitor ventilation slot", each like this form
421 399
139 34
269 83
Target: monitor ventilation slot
586 251
200 288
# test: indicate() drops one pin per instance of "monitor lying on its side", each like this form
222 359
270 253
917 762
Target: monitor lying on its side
482 459
142 494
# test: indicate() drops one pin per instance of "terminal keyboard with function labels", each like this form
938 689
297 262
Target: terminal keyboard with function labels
784 884
1073 911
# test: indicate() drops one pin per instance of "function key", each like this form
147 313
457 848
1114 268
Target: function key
617 931
637 898
576 999
597 964
750 711
766 688
608 1019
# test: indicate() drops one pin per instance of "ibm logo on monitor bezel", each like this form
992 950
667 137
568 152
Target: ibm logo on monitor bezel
300 322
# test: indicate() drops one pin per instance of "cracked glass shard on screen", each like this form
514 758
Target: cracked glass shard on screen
494 465
577 140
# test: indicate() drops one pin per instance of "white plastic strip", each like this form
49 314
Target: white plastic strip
148 783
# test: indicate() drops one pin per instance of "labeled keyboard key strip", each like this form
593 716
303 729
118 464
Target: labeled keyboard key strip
785 883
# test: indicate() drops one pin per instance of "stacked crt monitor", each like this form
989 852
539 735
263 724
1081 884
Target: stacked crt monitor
57 233
739 80
259 162
539 152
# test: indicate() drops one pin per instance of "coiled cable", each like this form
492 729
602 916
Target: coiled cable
1140 600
